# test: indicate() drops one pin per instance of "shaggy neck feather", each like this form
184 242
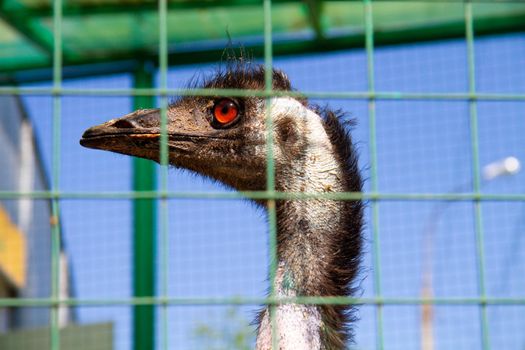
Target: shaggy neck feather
305 226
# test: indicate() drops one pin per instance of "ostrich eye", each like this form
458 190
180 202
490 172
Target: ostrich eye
225 112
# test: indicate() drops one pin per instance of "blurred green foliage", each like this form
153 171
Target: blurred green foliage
232 332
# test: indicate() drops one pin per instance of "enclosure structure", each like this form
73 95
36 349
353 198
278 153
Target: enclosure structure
23 225
146 38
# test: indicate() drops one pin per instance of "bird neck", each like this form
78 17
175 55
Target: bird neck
307 255
298 326
309 235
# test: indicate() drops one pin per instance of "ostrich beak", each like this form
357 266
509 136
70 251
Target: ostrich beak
135 134
138 134
193 143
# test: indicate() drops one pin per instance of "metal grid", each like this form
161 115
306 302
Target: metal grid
163 300
26 37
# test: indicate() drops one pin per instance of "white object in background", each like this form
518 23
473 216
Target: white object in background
26 176
507 166
64 312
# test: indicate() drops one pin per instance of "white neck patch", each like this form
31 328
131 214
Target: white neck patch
320 169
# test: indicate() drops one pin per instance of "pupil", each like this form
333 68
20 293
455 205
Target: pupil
225 109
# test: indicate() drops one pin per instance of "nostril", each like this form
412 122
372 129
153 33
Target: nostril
123 124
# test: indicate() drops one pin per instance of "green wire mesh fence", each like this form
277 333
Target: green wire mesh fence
143 92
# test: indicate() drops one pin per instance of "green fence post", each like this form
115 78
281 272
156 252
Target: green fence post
144 228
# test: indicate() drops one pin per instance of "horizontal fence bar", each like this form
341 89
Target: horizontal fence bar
81 9
162 301
453 197
360 95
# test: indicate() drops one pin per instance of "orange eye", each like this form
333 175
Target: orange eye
225 111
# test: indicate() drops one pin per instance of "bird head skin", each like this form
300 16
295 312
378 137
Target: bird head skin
233 152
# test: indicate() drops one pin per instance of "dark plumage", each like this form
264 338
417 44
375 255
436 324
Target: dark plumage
244 75
319 240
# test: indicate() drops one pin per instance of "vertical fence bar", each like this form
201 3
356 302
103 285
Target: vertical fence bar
55 181
144 228
164 159
270 167
476 178
369 40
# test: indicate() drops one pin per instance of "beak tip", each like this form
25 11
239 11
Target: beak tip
88 136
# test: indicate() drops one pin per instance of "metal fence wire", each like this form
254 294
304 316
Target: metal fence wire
144 94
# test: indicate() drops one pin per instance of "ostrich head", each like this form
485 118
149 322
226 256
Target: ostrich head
319 241
222 138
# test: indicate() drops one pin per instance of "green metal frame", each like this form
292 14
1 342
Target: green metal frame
144 227
27 22
146 298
